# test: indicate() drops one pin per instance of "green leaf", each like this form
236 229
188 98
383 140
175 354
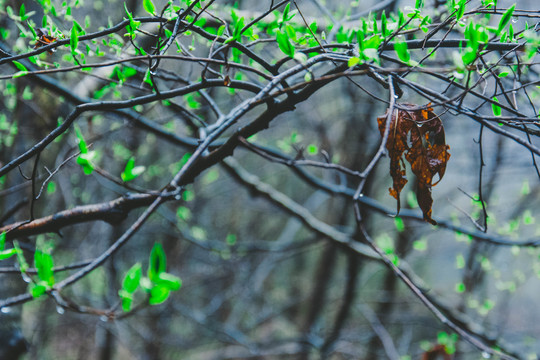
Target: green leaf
420 245
85 160
198 233
231 239
20 66
372 43
360 38
353 61
133 25
419 4
313 27
23 265
82 144
285 44
471 34
384 27
32 29
401 18
19 74
158 294
78 27
237 34
27 93
461 9
183 213
291 32
149 7
74 40
127 301
128 13
131 171
221 30
184 159
386 243
210 177
137 170
6 254
37 290
148 78
525 188
496 108
44 264
22 12
400 226
200 23
128 71
412 201
402 51
170 281
158 262
234 16
286 12
460 261
237 31
505 18
488 304
192 102
442 338
132 279
469 56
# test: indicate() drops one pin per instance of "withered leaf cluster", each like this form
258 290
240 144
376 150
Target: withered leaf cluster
418 136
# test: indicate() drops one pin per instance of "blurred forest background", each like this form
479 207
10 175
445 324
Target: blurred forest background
273 260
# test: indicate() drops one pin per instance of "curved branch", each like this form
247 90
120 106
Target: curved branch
113 212
454 43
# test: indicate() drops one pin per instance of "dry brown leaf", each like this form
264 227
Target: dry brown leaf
417 136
